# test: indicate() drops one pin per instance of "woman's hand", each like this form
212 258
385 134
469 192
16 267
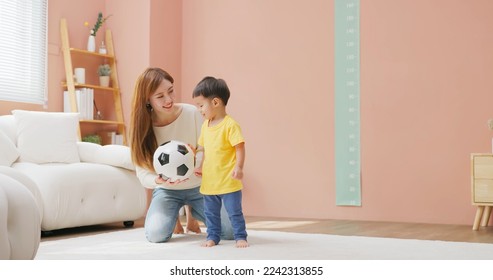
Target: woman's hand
162 181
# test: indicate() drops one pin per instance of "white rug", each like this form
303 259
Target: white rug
131 244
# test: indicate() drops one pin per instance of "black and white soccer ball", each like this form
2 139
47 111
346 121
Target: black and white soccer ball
174 160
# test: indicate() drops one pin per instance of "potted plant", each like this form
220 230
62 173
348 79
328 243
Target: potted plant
104 71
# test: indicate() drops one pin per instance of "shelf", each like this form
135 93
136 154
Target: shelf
108 56
93 126
76 85
102 122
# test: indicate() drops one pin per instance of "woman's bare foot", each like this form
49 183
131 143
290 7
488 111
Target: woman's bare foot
209 243
193 226
192 223
178 228
241 244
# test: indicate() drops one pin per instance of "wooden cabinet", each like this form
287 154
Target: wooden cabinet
107 97
482 187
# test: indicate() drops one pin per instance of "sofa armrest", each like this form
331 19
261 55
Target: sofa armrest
114 155
20 221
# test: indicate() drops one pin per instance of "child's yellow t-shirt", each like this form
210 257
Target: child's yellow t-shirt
219 143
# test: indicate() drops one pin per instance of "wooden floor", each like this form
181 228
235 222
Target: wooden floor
463 233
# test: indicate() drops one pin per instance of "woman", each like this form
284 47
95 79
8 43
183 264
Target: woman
156 118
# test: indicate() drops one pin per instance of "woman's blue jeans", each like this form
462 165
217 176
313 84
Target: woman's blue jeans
164 209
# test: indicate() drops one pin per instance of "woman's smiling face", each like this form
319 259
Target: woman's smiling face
163 98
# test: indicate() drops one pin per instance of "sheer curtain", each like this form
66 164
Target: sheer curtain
23 50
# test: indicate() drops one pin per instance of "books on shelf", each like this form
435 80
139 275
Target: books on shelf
84 98
116 139
111 138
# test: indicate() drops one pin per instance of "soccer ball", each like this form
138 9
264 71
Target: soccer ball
174 160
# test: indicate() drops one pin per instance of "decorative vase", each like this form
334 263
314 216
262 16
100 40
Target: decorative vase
104 81
91 43
102 48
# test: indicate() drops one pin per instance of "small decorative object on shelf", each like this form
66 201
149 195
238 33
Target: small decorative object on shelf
80 75
102 48
91 42
104 71
92 139
490 126
98 114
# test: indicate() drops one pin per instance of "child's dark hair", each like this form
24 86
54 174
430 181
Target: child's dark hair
211 87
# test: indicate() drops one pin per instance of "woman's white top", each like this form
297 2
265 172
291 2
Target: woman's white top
186 128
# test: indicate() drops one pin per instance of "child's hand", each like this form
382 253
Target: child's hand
237 173
198 171
194 150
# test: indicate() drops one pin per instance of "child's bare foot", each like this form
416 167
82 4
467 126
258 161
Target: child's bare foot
209 243
241 244
178 228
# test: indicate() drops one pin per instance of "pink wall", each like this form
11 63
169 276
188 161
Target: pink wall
146 33
425 93
425 99
165 41
277 63
130 26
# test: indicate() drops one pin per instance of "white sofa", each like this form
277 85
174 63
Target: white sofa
20 218
76 183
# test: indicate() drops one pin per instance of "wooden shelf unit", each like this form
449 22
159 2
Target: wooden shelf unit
114 89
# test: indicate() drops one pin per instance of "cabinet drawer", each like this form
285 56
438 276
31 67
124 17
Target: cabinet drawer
483 191
483 167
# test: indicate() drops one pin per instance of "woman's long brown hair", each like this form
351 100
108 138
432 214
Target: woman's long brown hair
142 139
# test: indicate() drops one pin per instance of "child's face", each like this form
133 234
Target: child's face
163 98
205 107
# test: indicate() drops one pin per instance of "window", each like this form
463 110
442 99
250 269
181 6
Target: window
23 50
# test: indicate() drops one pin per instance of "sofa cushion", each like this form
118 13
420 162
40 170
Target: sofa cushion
7 126
8 151
44 137
115 155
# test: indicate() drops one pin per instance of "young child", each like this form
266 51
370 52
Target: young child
222 164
